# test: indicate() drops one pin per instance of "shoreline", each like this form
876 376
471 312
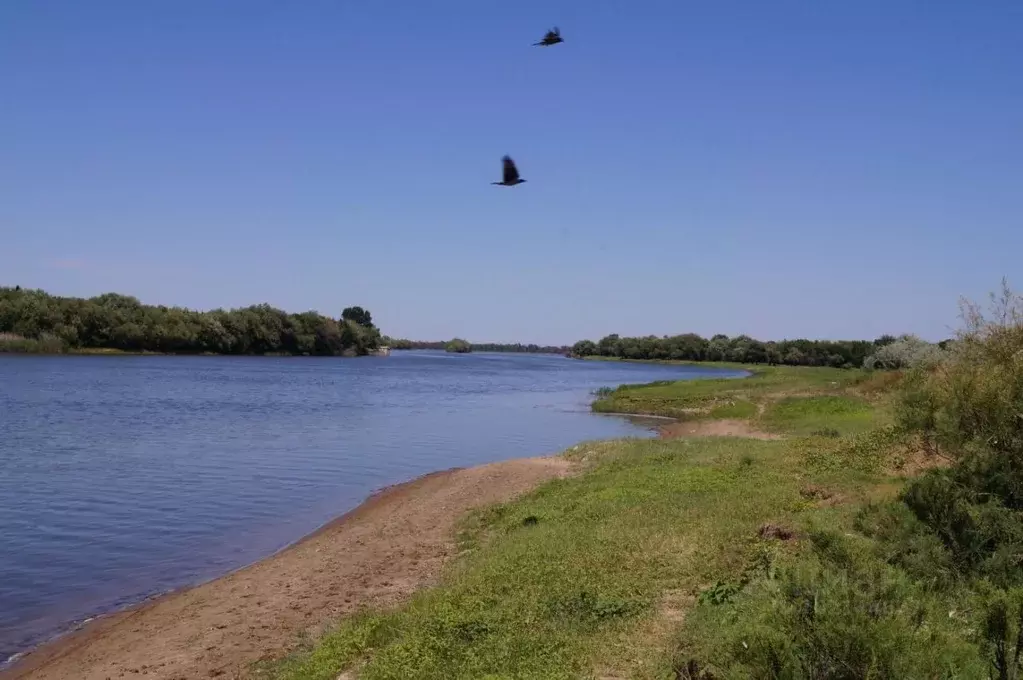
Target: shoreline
17 665
77 638
393 543
78 627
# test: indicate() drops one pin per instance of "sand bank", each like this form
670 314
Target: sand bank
374 556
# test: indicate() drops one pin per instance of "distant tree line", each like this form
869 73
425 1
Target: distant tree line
741 349
518 347
34 320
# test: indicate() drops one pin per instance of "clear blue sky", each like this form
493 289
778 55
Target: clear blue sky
783 169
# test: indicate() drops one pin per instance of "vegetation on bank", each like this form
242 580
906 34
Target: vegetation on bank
516 347
34 321
884 352
45 344
458 346
880 537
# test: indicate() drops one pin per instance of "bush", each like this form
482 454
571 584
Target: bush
973 401
458 346
931 586
44 344
1003 633
904 541
970 407
835 614
908 351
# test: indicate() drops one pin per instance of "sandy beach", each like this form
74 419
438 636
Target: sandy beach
374 556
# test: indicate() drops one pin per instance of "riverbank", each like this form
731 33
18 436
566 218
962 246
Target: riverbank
233 458
596 568
627 559
666 558
375 556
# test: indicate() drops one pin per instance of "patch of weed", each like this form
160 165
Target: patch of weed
804 415
833 612
868 452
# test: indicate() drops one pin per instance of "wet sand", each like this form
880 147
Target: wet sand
377 555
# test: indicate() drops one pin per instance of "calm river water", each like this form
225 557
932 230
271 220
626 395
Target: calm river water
121 477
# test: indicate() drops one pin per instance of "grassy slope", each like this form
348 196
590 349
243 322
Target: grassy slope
650 564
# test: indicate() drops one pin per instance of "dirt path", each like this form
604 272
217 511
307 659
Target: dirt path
376 555
714 428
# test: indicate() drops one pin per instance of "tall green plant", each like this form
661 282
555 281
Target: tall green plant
970 407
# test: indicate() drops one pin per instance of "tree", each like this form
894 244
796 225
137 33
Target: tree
584 348
907 351
122 322
357 315
458 346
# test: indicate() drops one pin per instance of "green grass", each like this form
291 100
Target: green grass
578 590
807 415
662 559
652 527
16 344
738 408
694 398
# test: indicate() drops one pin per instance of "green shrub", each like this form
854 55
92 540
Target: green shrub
815 622
837 613
458 346
973 401
1003 635
908 351
904 541
970 408
44 344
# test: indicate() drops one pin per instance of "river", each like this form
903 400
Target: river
123 477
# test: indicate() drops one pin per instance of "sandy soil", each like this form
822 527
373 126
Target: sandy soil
376 555
714 428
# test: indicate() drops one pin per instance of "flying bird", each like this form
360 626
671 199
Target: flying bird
553 37
511 173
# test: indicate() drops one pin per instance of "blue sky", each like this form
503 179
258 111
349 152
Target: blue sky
782 169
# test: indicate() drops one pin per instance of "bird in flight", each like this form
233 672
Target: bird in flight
511 174
553 37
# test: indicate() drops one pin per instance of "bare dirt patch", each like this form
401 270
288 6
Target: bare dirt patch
375 556
820 496
915 461
815 492
770 531
714 428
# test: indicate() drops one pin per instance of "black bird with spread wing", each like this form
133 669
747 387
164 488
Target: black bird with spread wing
553 37
511 174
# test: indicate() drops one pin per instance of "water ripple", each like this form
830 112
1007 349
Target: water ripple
123 477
